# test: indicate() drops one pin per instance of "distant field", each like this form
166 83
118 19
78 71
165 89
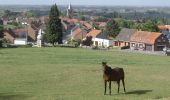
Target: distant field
75 74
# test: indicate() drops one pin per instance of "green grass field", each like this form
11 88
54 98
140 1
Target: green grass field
76 74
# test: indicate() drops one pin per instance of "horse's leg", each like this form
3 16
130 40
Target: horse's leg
110 86
123 82
118 83
105 84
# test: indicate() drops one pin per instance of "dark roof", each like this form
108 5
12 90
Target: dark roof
102 36
17 33
125 34
167 34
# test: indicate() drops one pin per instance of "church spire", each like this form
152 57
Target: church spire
69 11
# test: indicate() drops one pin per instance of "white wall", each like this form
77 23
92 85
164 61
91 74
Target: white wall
20 41
102 42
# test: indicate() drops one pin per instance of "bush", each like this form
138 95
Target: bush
18 46
66 45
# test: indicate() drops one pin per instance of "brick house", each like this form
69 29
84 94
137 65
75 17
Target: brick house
123 38
148 41
16 36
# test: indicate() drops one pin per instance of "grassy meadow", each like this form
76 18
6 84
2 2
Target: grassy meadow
76 74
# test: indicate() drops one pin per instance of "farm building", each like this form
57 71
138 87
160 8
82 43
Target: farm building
148 41
123 38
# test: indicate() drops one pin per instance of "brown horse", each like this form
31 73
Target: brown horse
109 74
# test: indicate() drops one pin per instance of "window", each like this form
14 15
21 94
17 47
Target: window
159 40
141 46
133 44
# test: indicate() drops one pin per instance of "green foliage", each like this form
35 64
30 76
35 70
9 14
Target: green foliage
101 19
30 14
1 35
150 26
83 18
54 28
74 42
123 23
95 26
1 31
7 13
11 15
14 23
138 26
112 28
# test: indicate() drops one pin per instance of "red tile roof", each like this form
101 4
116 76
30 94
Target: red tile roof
145 37
164 27
86 24
78 33
94 33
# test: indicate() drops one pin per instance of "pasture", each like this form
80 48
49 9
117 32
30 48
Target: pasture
76 74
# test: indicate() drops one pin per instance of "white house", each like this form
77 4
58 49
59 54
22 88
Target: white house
102 42
100 39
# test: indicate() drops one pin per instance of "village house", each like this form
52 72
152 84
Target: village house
1 22
74 29
16 36
99 38
123 38
165 29
148 41
33 29
78 33
5 20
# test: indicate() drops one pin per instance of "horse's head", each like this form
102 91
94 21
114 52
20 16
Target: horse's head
104 65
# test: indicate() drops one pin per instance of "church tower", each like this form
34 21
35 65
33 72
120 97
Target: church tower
70 11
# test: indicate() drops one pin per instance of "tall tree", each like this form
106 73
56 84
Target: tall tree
112 28
1 35
54 27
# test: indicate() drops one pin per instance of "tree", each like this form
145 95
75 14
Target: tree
123 23
150 26
7 13
54 27
112 28
1 35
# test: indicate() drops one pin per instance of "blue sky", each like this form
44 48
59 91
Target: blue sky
91 2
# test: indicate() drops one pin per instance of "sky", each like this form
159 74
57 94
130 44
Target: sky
89 2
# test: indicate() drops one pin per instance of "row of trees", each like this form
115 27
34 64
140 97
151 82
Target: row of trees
113 27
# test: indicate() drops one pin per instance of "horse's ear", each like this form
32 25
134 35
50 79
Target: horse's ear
104 63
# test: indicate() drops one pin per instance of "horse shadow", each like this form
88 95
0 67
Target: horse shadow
139 92
13 96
